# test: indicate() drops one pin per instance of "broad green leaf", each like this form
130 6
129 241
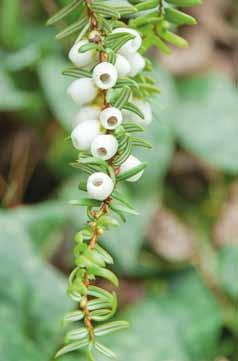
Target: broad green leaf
13 99
181 324
228 269
125 242
55 86
10 23
43 224
31 289
207 125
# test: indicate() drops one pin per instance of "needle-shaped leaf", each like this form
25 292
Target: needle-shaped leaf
140 142
73 317
131 127
125 175
104 273
106 256
75 27
105 350
77 334
122 98
72 347
104 9
77 73
86 202
64 12
134 109
110 327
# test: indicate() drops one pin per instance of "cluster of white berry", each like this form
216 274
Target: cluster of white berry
94 125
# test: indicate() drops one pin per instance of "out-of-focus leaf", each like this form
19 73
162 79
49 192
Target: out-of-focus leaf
22 58
43 223
55 87
228 269
13 99
125 242
207 125
14 343
181 325
10 23
35 296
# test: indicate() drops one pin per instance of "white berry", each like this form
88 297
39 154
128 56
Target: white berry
87 113
99 186
82 91
84 134
110 118
132 45
81 59
105 75
104 146
129 164
145 109
123 66
137 62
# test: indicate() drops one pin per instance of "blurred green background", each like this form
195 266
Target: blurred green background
177 261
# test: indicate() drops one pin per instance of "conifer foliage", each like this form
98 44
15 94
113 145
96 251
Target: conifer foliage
112 87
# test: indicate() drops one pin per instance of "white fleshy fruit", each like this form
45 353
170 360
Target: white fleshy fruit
145 109
104 146
87 113
111 118
83 135
137 63
105 75
123 66
132 45
99 186
129 164
81 60
82 91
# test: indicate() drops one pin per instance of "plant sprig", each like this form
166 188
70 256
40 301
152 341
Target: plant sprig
110 87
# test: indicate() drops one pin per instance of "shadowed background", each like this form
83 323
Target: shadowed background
178 260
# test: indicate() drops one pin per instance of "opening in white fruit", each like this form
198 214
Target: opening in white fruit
97 182
105 78
112 121
102 151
